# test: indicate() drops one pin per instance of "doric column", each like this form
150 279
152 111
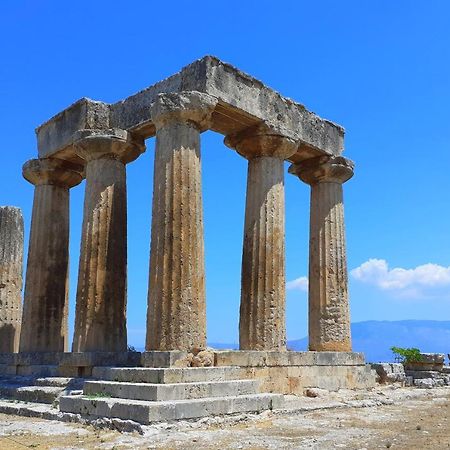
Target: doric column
11 257
44 322
263 293
329 315
176 317
100 316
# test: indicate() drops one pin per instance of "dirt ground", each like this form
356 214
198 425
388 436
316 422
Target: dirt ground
406 418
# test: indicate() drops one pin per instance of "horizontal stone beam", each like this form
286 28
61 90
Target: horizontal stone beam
243 101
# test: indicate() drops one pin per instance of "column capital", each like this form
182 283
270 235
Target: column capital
114 143
324 169
190 106
52 171
262 140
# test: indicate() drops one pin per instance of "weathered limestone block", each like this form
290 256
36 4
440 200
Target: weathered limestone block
204 358
44 323
100 318
428 361
243 101
329 315
176 317
11 256
263 296
390 372
255 358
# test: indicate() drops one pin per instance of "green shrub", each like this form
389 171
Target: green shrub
407 355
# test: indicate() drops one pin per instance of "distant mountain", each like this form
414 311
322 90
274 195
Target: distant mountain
375 338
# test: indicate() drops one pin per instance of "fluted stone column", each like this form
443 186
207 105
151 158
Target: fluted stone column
176 317
329 315
100 316
45 311
11 257
263 292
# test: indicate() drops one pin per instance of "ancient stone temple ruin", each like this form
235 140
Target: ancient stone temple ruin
94 141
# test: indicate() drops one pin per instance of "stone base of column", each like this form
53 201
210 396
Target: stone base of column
284 372
295 372
64 364
280 372
338 346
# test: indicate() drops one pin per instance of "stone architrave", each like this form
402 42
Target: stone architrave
100 316
45 310
329 315
11 257
263 292
176 318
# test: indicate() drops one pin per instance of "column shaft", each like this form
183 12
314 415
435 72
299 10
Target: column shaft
329 315
100 323
44 323
11 257
176 318
46 288
262 311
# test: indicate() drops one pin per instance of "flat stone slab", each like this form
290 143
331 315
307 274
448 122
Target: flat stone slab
147 412
165 375
243 101
60 382
432 358
162 358
250 358
173 391
390 372
73 359
37 394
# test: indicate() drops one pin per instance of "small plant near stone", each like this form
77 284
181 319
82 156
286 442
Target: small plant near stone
130 348
406 355
97 395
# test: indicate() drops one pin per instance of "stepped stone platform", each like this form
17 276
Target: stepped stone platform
163 386
280 372
147 395
38 390
139 394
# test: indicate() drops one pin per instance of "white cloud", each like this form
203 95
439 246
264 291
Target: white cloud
416 282
299 284
423 281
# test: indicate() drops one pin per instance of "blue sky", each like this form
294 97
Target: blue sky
381 69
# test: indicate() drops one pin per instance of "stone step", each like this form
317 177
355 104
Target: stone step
147 412
63 382
174 391
53 381
30 409
166 375
36 394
